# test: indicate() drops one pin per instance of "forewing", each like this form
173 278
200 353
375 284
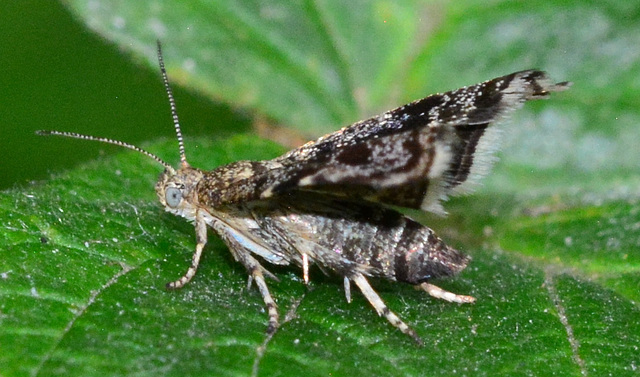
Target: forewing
415 155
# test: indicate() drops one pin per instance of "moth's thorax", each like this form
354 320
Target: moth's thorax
177 192
237 182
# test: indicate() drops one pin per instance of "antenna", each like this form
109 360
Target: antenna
108 141
172 104
174 115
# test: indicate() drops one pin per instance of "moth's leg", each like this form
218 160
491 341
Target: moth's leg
440 293
347 289
382 308
305 268
241 249
272 308
201 239
256 270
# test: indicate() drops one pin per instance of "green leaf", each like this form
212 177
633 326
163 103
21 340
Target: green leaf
554 233
87 256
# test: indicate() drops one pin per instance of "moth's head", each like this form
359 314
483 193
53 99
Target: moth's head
176 190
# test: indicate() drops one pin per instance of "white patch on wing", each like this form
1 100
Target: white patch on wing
436 191
432 201
441 160
483 160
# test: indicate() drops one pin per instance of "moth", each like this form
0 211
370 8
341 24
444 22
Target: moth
330 202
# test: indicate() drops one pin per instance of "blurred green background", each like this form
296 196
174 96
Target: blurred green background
56 74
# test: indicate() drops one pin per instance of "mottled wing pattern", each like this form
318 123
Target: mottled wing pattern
415 155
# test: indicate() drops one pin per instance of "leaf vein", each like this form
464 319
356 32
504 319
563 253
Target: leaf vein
92 298
562 315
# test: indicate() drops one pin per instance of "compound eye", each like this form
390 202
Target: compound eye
173 196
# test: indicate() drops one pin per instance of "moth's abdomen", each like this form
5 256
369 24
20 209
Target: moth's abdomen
357 237
399 248
421 255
